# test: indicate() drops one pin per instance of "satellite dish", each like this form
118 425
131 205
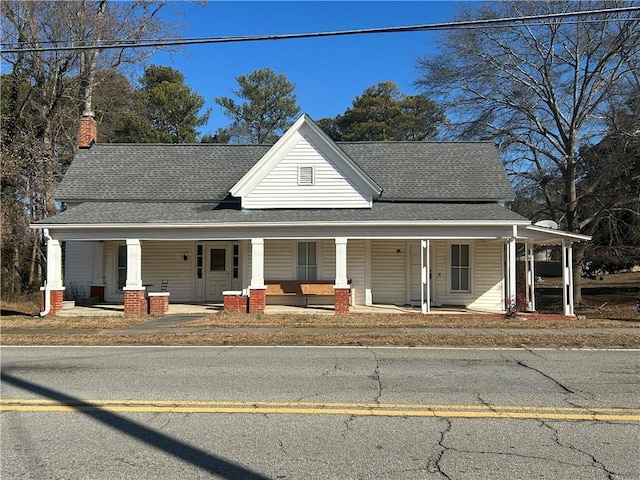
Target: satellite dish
547 224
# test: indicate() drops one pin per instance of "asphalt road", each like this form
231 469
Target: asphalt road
318 413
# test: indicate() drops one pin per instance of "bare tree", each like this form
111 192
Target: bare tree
45 92
541 89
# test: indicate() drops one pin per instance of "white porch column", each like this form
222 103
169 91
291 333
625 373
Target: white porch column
98 274
425 290
54 265
511 270
341 263
244 259
368 296
257 263
134 265
567 276
531 277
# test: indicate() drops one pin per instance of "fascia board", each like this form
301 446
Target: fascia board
355 172
163 226
256 173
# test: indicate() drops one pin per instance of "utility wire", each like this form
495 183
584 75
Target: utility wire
415 28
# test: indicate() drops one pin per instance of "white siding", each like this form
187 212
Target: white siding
280 264
78 270
486 277
388 271
111 292
328 260
278 260
165 260
439 272
356 268
160 260
280 189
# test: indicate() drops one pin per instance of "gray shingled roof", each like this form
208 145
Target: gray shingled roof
206 172
156 172
433 170
174 213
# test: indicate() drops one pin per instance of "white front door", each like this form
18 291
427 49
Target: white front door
218 271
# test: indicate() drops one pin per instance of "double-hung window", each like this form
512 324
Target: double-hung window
307 262
460 268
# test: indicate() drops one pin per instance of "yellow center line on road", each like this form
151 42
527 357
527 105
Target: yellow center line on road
327 408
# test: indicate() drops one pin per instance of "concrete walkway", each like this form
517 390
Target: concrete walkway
212 308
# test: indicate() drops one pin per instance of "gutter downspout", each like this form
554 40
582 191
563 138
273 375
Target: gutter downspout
47 290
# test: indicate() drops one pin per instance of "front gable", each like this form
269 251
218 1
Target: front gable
305 169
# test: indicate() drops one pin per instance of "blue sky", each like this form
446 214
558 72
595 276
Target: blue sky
328 73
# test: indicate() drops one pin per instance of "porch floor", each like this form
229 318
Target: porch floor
106 309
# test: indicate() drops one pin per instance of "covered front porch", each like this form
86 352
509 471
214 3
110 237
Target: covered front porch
414 270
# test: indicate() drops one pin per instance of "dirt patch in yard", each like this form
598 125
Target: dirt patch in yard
611 300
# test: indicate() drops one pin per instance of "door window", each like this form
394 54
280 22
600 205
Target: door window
236 260
199 261
218 260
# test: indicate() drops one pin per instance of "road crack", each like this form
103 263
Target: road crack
561 385
533 352
594 461
433 465
486 404
347 425
376 377
540 372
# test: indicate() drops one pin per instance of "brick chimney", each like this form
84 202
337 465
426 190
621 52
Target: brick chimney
87 131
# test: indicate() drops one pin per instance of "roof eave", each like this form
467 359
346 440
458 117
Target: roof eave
551 236
434 223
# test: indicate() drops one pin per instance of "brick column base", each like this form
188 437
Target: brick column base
135 303
257 300
158 303
97 291
234 302
55 297
341 301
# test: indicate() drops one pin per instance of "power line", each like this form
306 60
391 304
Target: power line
415 28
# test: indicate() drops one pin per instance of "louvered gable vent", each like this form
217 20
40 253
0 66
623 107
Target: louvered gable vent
306 175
